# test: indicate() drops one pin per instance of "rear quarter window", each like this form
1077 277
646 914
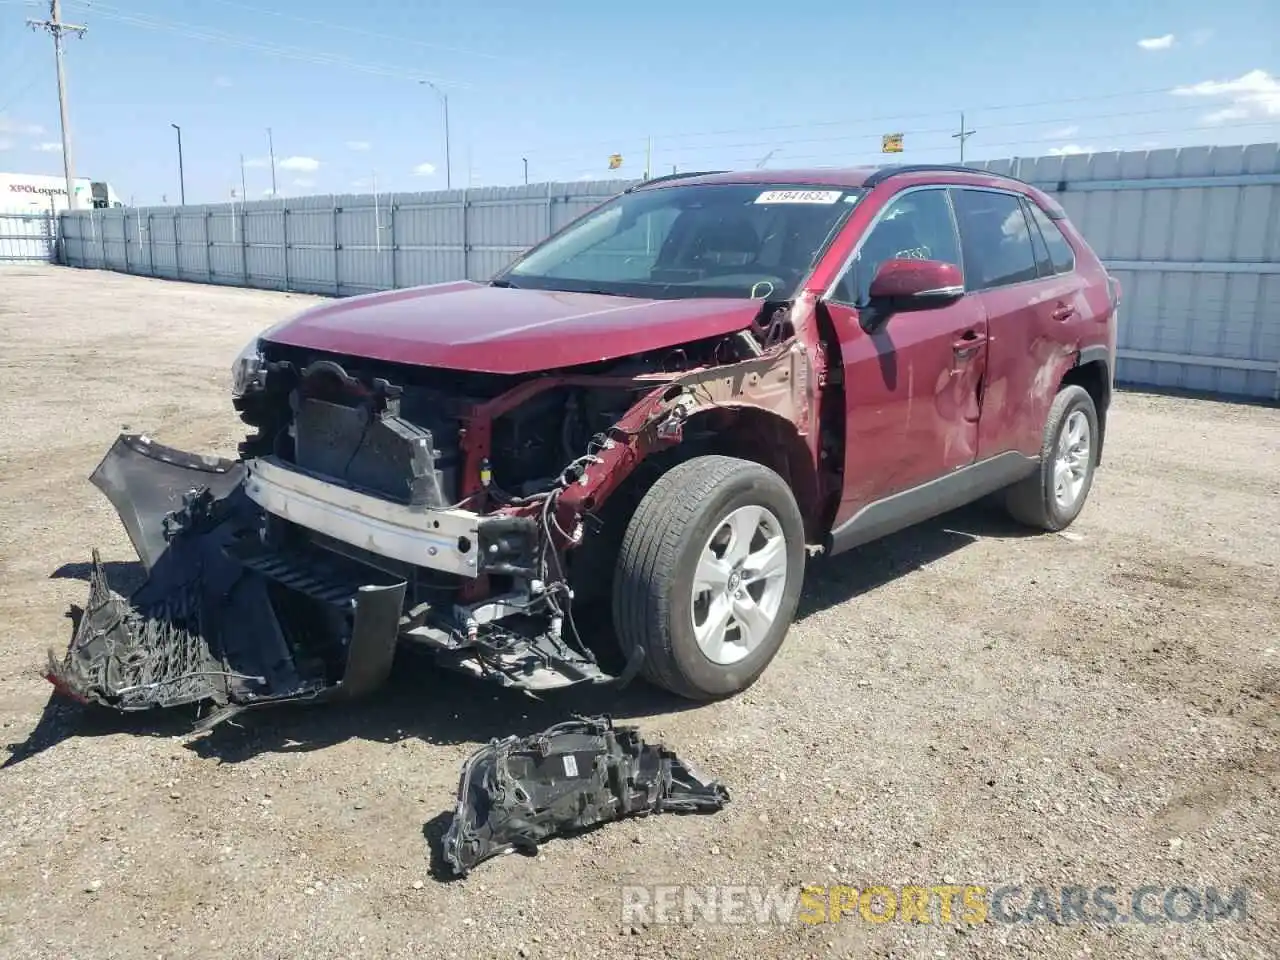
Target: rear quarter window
1061 254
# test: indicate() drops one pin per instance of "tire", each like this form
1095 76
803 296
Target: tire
676 531
1035 500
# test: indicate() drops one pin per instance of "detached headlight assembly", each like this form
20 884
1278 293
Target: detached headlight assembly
248 368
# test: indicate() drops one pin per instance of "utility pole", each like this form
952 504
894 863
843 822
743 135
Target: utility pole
182 177
57 28
962 136
448 166
526 170
244 191
271 147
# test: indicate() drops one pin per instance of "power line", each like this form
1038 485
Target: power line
17 68
898 117
210 35
1022 143
870 131
359 32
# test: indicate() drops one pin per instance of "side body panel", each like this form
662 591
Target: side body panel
913 383
911 399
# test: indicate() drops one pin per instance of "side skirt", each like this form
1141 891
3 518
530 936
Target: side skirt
909 507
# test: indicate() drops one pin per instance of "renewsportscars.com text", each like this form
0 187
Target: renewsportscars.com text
943 903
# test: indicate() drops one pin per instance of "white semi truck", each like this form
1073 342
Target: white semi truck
39 193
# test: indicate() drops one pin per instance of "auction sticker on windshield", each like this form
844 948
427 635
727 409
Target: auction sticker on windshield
799 196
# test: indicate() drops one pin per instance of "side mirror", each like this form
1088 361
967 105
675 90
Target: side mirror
916 284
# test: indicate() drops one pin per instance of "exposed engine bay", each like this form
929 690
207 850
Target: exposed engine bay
377 504
517 792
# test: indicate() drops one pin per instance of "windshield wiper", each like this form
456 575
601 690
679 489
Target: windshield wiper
503 283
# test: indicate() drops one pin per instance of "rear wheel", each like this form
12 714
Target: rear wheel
1053 496
709 575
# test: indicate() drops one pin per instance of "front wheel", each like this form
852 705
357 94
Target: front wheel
1053 496
709 575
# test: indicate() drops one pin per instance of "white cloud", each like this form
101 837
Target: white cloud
258 162
300 164
424 170
268 192
8 125
1200 37
222 82
359 145
1062 133
48 148
304 182
361 184
1255 94
1227 114
1157 43
1070 150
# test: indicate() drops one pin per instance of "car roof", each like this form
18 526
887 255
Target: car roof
857 177
825 177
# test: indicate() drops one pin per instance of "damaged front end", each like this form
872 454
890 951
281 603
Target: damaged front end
380 505
515 793
204 627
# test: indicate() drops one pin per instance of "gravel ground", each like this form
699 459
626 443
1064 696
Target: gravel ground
958 704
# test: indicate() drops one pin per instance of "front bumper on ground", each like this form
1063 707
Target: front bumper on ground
226 617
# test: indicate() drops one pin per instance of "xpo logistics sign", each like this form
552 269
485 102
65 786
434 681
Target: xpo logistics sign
37 192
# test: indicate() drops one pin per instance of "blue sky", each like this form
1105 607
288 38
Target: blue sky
565 84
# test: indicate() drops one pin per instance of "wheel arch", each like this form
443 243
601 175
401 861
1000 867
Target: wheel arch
1092 371
769 439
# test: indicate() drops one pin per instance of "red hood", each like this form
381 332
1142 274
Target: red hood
476 327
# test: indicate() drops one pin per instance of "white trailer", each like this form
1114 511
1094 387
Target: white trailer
40 193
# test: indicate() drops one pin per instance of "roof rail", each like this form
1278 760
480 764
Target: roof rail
672 176
884 173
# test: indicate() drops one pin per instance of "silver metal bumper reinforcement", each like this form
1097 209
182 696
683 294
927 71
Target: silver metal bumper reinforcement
445 540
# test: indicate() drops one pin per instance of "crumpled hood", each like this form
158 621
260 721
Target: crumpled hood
481 328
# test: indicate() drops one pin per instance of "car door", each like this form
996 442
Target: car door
913 386
1030 307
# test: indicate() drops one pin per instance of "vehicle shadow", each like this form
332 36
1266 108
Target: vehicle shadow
831 581
426 702
123 576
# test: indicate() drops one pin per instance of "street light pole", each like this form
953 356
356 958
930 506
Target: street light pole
182 179
448 164
526 170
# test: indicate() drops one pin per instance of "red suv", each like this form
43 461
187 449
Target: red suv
648 422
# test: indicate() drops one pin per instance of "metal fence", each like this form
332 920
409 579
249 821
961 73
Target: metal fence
1194 237
28 237
339 245
1192 233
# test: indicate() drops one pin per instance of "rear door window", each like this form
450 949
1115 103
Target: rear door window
995 238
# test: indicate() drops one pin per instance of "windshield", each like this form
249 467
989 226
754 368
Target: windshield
708 240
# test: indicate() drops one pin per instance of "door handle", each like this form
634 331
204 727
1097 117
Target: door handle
1063 311
968 344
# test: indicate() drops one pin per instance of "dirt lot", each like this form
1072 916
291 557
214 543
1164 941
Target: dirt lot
960 704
